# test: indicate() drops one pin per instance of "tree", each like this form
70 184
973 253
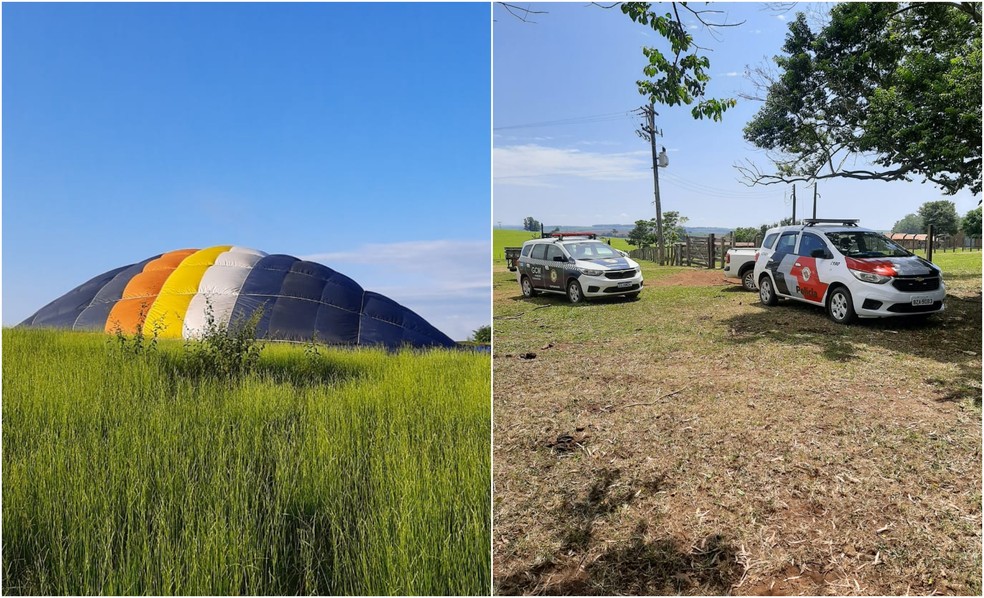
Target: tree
678 76
784 222
745 234
532 224
971 223
644 233
910 223
942 215
482 335
898 85
673 230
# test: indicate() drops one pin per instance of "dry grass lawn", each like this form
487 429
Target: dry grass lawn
696 442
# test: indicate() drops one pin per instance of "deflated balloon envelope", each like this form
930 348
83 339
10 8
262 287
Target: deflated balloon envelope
175 294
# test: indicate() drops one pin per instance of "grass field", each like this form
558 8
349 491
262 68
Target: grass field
329 472
696 442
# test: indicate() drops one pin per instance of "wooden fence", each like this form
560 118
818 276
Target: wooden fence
702 252
708 252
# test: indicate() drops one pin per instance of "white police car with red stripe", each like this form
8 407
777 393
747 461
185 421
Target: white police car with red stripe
578 266
852 271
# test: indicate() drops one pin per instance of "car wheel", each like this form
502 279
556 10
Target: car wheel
574 293
840 306
767 294
748 280
528 290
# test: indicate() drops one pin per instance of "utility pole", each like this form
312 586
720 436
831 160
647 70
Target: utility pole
814 199
794 204
647 130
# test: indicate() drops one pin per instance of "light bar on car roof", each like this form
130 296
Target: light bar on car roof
563 236
843 221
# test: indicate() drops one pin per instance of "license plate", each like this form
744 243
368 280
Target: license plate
624 285
924 300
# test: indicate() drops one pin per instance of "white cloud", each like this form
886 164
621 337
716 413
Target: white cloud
781 17
590 143
445 281
732 74
533 165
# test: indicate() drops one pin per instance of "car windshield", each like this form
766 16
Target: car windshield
866 244
591 250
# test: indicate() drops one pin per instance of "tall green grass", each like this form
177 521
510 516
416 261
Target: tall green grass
321 472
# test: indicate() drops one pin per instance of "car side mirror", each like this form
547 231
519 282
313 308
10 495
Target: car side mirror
624 254
822 254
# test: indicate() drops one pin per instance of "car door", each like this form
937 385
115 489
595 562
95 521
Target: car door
537 270
780 263
811 269
554 267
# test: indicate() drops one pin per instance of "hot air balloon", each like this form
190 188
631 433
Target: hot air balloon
177 294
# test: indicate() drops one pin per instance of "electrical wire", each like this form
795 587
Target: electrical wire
710 191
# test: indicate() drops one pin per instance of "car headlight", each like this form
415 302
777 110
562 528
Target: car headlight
870 277
590 272
873 271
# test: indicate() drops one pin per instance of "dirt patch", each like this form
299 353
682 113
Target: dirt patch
692 278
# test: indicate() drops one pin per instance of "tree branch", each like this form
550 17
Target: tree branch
514 10
750 175
697 14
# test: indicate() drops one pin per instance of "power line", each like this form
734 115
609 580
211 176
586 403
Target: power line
709 190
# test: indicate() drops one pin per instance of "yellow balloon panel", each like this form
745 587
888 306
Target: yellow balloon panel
167 313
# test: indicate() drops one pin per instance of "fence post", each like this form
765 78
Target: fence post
929 244
689 263
710 252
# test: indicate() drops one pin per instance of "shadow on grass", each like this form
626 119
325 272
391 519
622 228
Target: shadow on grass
737 288
300 370
951 337
638 566
561 300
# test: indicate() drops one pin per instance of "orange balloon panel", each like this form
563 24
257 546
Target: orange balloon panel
129 313
169 261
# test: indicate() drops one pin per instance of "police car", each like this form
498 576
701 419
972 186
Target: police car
852 271
578 266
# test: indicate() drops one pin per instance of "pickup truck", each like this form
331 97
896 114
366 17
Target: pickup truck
512 257
740 263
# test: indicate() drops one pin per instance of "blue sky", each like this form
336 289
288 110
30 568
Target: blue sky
354 134
579 61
